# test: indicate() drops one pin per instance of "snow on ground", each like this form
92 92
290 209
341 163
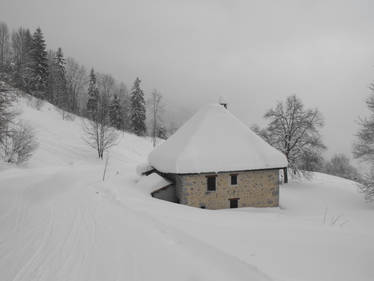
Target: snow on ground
60 221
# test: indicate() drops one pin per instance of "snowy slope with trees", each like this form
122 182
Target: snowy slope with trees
60 221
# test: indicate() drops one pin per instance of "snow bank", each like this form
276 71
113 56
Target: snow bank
152 182
214 140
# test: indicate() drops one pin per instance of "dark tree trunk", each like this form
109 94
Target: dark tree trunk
285 175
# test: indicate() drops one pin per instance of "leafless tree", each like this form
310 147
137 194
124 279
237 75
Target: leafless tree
4 44
17 141
155 109
106 84
21 58
76 79
21 44
19 145
6 113
97 132
293 130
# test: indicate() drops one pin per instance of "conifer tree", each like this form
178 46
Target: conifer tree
39 64
50 91
115 114
125 106
61 99
93 95
137 110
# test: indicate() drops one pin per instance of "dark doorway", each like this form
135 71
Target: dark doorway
234 203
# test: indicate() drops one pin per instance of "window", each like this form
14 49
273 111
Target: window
234 203
211 183
234 179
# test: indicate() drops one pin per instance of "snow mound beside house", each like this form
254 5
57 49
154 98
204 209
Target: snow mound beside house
152 183
214 140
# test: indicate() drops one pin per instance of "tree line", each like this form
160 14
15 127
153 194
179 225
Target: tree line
27 64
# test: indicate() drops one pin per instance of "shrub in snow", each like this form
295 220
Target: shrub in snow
19 145
339 165
34 102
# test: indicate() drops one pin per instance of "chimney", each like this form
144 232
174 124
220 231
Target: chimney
222 101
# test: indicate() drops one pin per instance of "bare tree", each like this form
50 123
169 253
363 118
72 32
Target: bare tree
4 45
6 113
155 109
106 84
22 47
294 131
17 141
97 132
76 79
19 145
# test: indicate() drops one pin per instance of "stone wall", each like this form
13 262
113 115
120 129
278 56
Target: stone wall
167 193
253 189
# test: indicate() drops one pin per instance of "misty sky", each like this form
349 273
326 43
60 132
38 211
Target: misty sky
252 52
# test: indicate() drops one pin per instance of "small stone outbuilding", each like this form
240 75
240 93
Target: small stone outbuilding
215 161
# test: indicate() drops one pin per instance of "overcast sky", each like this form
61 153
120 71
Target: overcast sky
252 52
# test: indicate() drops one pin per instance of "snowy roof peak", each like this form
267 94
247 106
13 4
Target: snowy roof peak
214 140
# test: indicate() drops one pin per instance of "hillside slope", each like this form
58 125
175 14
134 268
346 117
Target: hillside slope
60 221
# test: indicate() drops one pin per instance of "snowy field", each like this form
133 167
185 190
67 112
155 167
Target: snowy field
59 221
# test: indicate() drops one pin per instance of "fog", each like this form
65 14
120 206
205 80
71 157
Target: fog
254 53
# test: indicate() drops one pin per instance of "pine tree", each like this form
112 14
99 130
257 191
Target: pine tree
137 110
61 98
115 114
93 95
39 64
125 106
50 92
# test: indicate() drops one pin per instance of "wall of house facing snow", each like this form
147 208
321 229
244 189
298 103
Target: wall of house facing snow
254 189
167 193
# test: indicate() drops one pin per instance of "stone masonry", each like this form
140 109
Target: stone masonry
253 189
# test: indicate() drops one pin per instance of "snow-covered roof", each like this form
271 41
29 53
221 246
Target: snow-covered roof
143 169
153 182
214 140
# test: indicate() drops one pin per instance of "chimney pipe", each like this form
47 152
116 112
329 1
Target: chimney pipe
222 101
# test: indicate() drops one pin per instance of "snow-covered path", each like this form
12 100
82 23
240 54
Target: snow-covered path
82 232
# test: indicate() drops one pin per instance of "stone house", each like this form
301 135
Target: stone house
214 161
